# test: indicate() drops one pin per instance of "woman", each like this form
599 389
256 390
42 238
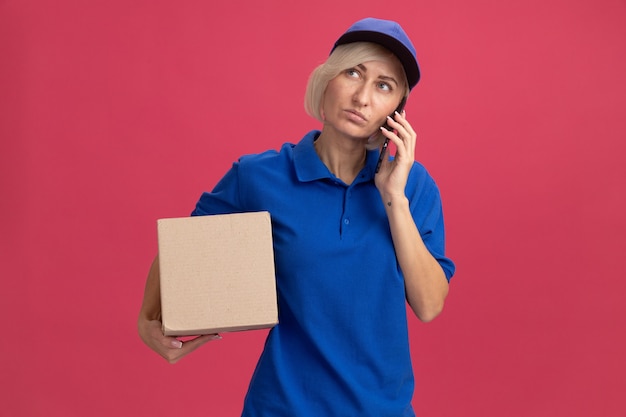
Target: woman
352 241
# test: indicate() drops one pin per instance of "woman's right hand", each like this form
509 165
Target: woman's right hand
170 348
149 325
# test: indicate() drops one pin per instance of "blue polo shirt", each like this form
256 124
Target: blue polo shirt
341 347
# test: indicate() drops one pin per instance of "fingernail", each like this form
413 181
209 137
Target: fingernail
177 344
216 337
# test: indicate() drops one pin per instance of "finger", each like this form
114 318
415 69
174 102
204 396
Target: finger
392 127
174 343
407 141
191 345
390 134
393 122
173 355
399 126
401 120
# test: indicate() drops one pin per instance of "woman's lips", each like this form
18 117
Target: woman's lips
356 116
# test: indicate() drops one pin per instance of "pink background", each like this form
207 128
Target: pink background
115 113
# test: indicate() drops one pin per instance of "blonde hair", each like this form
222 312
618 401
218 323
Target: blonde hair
342 58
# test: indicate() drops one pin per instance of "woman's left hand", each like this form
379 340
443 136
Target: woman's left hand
392 177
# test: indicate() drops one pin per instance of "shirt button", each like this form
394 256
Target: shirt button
346 221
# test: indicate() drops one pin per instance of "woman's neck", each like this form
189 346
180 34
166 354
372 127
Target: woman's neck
344 157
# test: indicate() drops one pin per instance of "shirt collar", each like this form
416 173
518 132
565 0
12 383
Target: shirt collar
309 167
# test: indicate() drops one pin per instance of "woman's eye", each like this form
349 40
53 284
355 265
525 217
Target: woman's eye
352 73
384 86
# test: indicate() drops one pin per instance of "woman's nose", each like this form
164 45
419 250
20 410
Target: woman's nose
361 96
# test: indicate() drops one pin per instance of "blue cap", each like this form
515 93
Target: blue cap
390 35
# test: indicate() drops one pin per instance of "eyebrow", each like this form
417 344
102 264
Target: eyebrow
381 77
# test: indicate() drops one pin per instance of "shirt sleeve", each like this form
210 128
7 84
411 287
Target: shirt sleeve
427 211
225 198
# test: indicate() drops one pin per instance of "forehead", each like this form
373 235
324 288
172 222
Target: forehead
389 66
387 70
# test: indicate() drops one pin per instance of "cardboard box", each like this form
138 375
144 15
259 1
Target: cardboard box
217 274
